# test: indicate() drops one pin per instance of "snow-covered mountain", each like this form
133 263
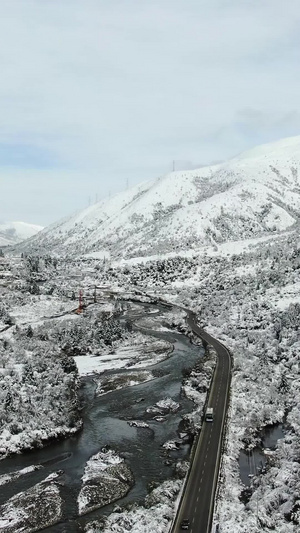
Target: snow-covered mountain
254 194
14 232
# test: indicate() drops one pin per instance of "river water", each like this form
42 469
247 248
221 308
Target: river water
253 462
105 424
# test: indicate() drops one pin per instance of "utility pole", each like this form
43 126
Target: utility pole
173 165
80 303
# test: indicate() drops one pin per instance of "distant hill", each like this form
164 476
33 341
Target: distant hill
252 195
14 232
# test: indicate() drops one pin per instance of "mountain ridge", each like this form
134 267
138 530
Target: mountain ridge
14 232
252 195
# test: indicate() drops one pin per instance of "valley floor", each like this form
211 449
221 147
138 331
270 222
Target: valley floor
246 297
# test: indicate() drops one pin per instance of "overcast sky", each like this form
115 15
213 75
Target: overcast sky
98 94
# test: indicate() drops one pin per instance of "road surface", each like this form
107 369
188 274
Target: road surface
198 499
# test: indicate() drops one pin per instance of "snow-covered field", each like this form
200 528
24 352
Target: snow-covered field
136 351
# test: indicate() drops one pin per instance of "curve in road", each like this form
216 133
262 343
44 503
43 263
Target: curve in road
197 502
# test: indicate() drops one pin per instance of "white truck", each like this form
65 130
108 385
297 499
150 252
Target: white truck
209 415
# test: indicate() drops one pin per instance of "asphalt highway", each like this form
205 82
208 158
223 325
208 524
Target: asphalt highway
197 503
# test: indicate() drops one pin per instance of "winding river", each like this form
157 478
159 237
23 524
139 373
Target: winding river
105 423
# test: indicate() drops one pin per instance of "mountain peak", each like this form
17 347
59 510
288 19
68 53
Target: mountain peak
288 147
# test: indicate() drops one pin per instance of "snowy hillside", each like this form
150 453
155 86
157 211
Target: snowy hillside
252 195
13 232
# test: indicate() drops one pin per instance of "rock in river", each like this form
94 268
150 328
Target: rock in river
106 479
34 509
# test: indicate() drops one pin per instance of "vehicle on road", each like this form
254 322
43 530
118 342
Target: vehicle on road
209 415
185 524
